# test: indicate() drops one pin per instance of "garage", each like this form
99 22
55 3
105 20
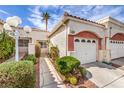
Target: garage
117 49
85 50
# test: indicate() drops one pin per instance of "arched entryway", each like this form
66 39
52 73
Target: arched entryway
85 45
117 46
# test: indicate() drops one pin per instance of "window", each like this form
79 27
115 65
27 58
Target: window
77 40
88 41
23 43
82 40
43 44
93 41
30 40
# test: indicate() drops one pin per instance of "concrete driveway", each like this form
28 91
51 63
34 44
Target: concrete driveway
119 63
105 76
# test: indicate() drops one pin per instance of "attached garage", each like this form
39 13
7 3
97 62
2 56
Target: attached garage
117 46
117 49
85 46
85 50
78 37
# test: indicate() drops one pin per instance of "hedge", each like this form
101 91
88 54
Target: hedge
17 74
32 58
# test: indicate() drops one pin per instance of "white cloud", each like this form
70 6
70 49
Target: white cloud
35 16
103 13
56 11
4 12
36 19
36 22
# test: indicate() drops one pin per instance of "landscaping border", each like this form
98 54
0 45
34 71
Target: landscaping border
86 83
37 74
56 75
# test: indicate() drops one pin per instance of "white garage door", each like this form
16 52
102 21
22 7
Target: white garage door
117 49
85 50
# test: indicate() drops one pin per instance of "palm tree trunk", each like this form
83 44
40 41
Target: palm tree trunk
46 24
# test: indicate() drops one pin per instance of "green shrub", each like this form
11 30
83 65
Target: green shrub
6 46
67 64
82 71
73 80
31 58
37 50
17 74
54 53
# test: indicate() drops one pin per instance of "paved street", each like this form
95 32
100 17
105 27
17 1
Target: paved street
47 77
105 76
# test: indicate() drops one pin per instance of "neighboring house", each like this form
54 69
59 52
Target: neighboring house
88 41
115 32
27 41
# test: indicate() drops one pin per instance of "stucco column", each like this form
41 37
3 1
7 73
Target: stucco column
108 50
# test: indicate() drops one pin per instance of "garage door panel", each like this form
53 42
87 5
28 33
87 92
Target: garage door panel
85 50
117 49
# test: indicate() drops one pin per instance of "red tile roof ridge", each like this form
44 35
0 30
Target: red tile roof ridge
77 17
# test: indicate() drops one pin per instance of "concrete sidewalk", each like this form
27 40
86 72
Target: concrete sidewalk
48 75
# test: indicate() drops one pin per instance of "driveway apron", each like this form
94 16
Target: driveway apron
104 75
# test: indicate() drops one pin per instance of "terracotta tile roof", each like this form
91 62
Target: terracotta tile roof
67 14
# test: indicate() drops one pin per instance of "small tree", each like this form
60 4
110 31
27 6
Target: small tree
7 45
37 51
54 53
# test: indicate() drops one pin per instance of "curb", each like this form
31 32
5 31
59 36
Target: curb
55 74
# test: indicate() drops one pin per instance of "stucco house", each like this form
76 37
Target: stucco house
27 40
87 40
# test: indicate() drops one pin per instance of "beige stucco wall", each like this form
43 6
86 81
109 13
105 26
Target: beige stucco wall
115 28
78 26
35 35
59 40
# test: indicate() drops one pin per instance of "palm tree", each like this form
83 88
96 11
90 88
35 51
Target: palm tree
46 17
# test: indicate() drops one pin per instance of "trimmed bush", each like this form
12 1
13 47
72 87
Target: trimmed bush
54 53
73 80
37 50
82 70
31 58
17 74
67 64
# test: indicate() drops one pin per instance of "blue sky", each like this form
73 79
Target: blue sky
31 15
